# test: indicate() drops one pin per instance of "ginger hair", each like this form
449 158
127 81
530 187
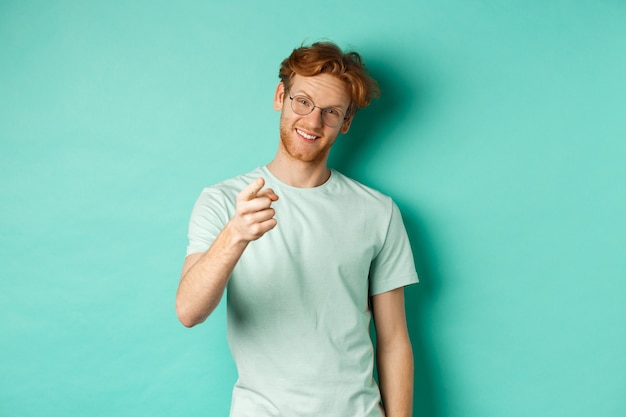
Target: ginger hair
328 58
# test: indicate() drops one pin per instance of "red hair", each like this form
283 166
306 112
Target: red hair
328 58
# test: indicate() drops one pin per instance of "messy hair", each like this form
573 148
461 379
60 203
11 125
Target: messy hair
328 58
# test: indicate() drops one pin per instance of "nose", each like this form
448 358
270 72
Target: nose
315 117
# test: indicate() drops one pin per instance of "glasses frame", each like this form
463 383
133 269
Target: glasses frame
313 107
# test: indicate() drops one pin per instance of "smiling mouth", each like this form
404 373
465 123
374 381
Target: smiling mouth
306 135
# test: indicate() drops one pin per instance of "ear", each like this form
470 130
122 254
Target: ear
346 125
279 96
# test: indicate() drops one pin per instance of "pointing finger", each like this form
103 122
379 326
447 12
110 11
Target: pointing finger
252 189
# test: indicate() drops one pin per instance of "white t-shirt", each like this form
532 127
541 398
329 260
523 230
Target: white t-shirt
298 311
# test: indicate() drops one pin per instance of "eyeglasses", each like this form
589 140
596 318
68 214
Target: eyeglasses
331 116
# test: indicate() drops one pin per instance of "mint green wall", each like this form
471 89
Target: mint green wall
501 134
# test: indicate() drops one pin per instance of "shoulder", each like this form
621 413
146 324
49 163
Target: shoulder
228 189
220 199
361 192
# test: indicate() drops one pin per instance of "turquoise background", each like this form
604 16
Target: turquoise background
500 133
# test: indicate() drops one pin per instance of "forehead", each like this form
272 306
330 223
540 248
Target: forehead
324 89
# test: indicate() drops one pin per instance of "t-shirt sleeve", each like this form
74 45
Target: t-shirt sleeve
208 217
393 266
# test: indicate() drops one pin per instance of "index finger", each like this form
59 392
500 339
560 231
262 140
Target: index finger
252 189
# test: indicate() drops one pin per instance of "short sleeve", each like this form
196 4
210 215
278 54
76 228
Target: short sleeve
393 266
210 214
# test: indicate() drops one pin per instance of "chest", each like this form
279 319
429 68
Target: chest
316 252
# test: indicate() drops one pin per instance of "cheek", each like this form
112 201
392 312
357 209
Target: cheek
284 119
331 136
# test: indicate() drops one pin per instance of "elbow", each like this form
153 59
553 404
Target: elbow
192 311
186 322
185 317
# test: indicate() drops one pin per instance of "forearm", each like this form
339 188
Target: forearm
203 283
395 373
205 276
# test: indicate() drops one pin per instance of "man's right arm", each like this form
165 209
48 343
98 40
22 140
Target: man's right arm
205 275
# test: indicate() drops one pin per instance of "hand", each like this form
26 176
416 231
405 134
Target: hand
254 215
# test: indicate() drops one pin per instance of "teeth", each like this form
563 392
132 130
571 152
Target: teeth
310 137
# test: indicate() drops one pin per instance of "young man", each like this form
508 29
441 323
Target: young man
307 255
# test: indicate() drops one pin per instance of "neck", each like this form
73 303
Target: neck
299 174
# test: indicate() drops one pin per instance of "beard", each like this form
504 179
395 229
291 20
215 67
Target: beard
288 139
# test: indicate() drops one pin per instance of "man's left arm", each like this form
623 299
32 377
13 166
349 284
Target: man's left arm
394 353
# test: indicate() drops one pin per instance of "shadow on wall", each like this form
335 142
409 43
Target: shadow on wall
401 97
418 300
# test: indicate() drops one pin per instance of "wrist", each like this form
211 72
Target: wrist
232 237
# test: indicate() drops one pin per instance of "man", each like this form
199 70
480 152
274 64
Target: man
307 255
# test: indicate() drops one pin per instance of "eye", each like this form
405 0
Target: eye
332 112
303 101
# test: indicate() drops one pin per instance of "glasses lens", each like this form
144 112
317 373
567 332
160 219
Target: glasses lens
332 117
302 105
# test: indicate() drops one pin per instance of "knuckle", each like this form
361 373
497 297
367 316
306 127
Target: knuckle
256 229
